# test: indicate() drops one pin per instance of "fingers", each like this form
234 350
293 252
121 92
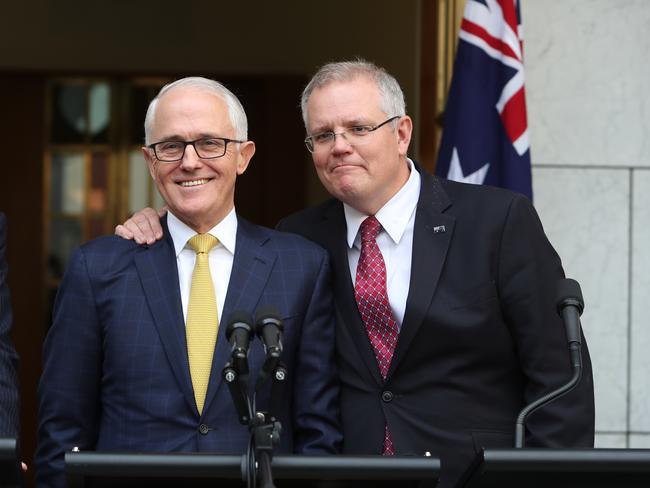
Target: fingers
123 232
148 222
143 227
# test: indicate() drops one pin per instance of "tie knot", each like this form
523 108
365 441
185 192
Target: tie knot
369 229
202 243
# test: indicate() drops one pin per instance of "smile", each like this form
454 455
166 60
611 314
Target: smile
194 182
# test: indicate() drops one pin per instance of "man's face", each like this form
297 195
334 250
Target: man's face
200 192
363 176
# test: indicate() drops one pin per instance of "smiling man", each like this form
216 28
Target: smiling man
134 356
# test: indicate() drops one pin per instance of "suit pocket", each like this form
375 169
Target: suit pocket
474 296
492 439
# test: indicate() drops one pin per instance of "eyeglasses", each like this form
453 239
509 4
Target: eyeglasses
355 136
208 148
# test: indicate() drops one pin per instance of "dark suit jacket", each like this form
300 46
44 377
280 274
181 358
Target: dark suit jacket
8 357
116 373
480 336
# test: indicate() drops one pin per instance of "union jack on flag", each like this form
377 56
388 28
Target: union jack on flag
485 136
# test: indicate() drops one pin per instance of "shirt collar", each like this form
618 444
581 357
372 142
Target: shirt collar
393 216
225 231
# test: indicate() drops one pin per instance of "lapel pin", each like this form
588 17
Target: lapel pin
439 229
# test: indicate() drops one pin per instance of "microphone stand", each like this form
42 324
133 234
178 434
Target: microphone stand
576 363
569 305
264 427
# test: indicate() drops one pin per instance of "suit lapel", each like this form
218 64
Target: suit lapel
332 236
251 268
158 272
431 238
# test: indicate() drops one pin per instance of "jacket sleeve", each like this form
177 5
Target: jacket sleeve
529 269
8 358
68 393
316 392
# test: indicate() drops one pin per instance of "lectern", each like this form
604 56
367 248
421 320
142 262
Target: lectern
104 469
9 469
559 468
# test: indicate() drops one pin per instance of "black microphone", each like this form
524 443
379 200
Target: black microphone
268 327
238 333
569 305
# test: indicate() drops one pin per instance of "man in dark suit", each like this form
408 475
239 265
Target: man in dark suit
464 332
122 367
8 358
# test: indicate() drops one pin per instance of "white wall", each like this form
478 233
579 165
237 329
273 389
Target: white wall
588 81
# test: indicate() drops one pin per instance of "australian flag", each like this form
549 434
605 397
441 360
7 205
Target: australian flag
485 135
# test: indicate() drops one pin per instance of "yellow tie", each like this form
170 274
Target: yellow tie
202 322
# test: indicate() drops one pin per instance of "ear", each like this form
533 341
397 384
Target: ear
151 162
246 152
404 132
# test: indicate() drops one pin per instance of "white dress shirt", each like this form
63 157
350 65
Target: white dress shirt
220 257
395 240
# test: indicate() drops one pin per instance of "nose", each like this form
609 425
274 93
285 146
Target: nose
190 159
341 144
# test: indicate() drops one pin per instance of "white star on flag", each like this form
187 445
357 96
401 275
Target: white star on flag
456 171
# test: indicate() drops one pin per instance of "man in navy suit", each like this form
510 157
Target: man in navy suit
470 279
116 371
8 357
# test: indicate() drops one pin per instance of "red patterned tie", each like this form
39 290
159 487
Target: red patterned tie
372 301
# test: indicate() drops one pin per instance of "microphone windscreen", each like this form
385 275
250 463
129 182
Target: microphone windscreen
568 293
237 317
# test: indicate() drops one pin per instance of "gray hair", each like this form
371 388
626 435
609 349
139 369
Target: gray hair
392 97
235 110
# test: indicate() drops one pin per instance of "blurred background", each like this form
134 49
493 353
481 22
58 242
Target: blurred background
76 78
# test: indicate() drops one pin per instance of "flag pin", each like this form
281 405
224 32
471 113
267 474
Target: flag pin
439 229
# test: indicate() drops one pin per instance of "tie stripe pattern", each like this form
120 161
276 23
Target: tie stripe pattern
372 301
202 323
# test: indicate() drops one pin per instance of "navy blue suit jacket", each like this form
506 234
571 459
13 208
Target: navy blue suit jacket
480 336
116 373
8 357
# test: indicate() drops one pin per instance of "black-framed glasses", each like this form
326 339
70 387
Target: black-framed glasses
355 136
206 148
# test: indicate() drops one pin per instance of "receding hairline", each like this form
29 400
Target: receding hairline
390 92
235 111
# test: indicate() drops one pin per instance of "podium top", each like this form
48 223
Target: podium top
577 468
130 469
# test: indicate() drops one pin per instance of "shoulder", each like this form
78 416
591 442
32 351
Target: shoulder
281 241
106 245
107 253
310 216
478 200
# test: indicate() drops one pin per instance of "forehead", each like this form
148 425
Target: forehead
190 112
341 102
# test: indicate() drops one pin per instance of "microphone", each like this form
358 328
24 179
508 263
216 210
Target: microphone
569 306
238 333
269 329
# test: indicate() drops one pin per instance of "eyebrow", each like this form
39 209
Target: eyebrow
347 123
203 135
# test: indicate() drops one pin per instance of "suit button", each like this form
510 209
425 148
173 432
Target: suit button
204 429
387 396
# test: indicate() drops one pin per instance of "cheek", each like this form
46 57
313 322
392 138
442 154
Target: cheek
320 163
